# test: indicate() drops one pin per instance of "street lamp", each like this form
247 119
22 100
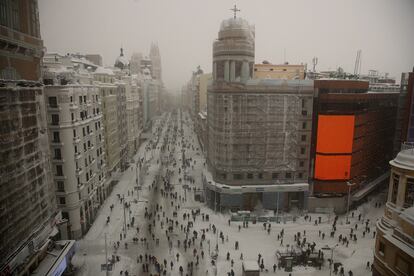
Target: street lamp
332 249
349 200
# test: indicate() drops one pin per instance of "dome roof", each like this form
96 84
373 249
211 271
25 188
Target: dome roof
236 28
404 160
121 61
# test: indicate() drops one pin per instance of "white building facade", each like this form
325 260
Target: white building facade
75 130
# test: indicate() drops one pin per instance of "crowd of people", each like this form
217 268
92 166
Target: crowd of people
169 240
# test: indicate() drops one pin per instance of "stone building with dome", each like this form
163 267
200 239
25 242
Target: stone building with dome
259 130
121 61
394 246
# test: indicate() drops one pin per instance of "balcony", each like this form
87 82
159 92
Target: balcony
78 155
76 139
57 142
78 171
73 106
53 107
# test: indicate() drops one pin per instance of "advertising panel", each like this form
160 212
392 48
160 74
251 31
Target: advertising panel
332 167
335 133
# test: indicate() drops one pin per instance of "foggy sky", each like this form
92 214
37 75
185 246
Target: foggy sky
332 30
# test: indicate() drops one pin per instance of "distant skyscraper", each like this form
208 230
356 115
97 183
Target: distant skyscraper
156 62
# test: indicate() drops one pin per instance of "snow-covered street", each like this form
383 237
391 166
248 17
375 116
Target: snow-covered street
171 229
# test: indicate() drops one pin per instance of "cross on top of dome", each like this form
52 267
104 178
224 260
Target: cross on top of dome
235 10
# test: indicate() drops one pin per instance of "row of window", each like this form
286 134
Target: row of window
275 175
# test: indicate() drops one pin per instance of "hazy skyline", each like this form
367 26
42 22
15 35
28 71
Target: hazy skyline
331 30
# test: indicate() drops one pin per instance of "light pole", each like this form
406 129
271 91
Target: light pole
106 258
349 200
331 263
123 202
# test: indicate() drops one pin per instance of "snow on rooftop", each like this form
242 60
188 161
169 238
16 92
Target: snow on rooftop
103 70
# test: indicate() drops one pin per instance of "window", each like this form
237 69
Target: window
381 248
74 133
275 175
394 192
56 137
402 265
4 13
62 200
58 155
237 176
84 132
303 138
60 186
303 103
302 150
80 99
76 149
288 175
52 101
260 175
73 116
86 162
84 99
249 176
223 176
300 175
55 119
71 99
89 144
84 147
15 15
409 193
301 164
304 125
65 215
87 178
59 170
87 129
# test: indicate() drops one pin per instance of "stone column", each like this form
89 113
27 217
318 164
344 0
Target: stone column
232 71
226 71
214 70
245 72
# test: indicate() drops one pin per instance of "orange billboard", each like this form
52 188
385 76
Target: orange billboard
335 133
332 167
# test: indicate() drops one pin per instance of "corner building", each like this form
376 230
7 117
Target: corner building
258 130
394 245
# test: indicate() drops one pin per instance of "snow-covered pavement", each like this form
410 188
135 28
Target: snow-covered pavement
252 241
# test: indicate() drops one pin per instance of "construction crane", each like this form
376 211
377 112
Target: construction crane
357 68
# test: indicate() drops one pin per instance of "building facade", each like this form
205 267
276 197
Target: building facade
132 113
394 245
107 93
353 136
258 130
78 154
